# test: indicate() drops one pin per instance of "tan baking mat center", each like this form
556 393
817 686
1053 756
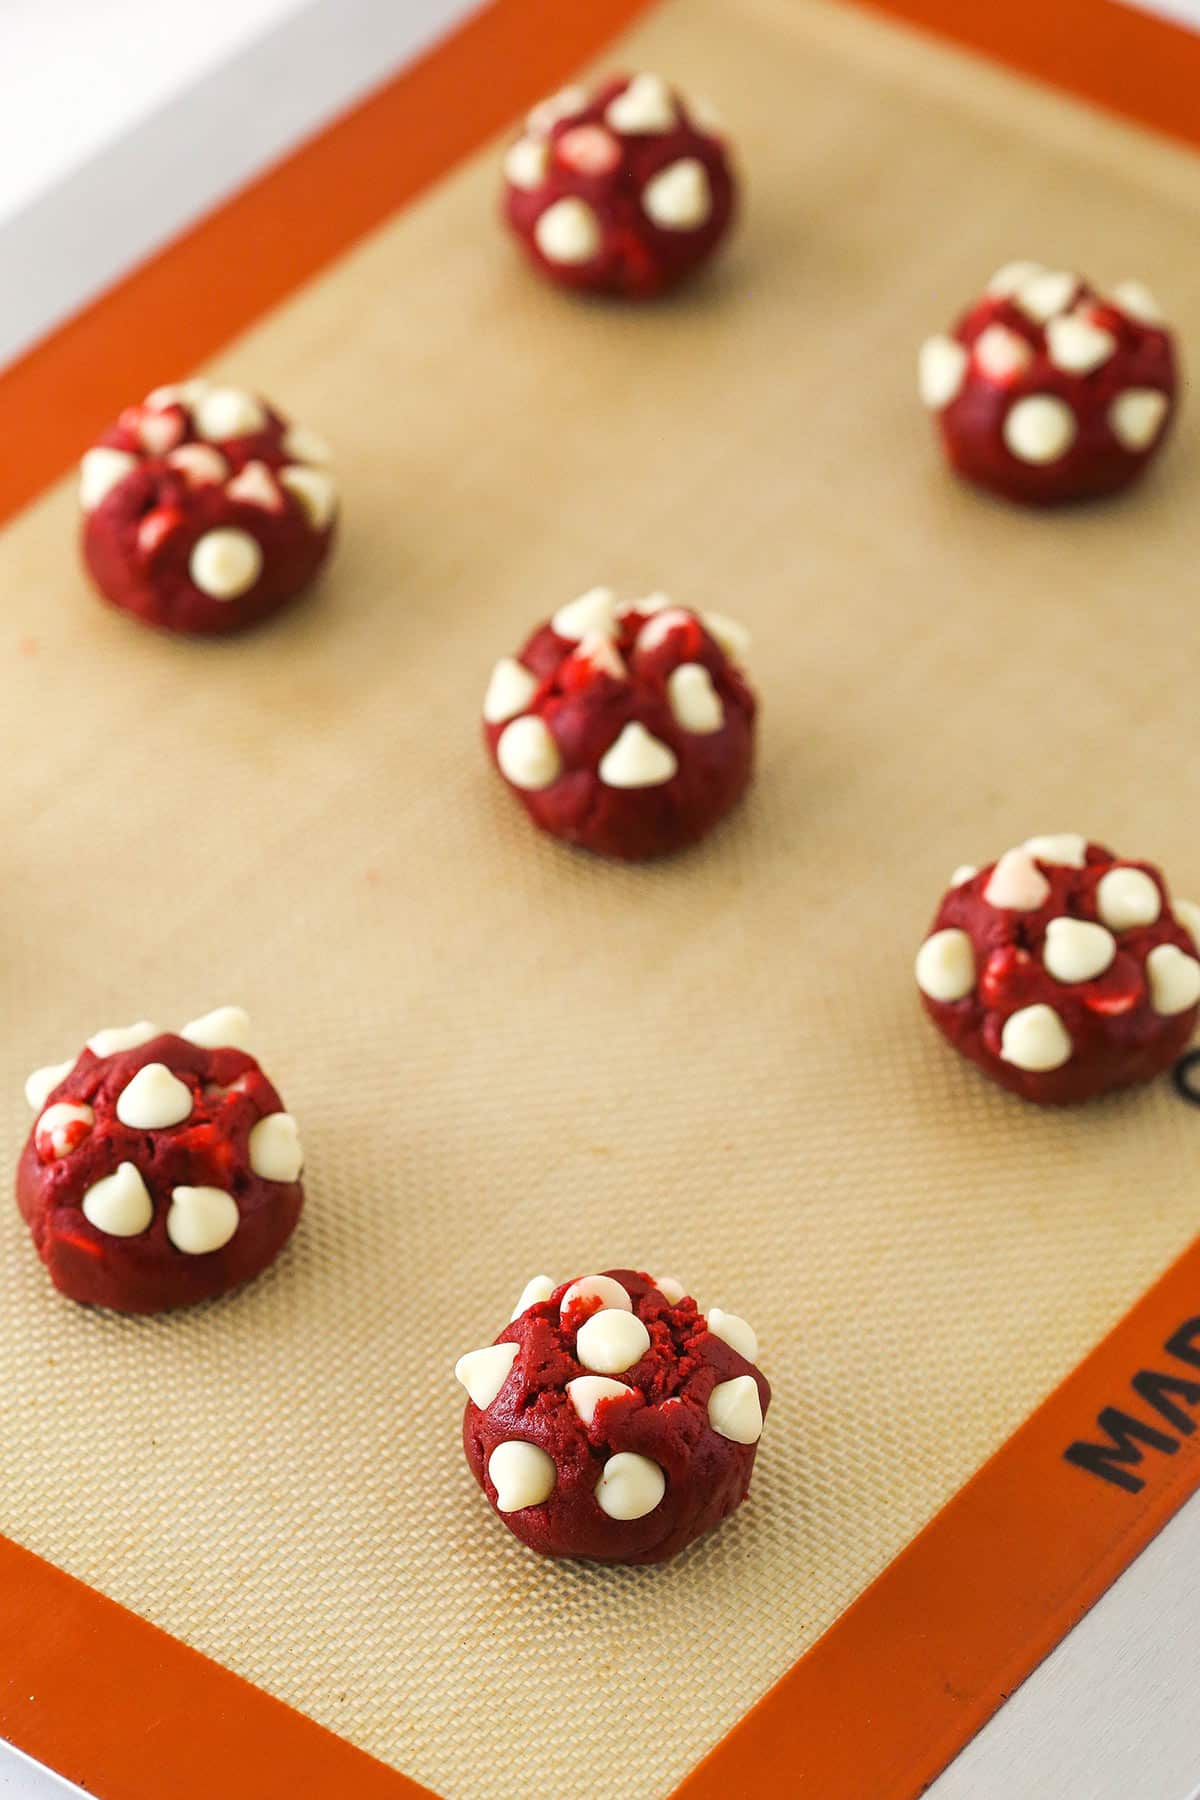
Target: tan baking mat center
508 1059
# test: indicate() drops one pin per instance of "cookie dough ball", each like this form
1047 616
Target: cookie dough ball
204 511
625 190
162 1168
625 729
612 1419
1048 391
1062 970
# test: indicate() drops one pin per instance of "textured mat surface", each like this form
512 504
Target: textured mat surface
507 1059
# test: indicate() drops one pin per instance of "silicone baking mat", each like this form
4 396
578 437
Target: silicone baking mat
507 1058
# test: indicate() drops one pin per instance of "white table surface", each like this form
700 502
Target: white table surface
118 129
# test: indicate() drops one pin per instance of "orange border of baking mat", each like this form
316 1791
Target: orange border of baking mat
913 1668
1134 63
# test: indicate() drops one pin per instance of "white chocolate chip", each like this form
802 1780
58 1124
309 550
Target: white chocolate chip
611 1341
1016 884
276 1153
154 1099
695 702
41 1084
734 639
1127 898
184 393
301 445
222 413
1012 276
671 1290
679 197
225 1028
1078 346
521 1474
1077 950
1135 300
509 691
536 1289
1174 980
120 1203
1188 915
941 371
1049 292
637 760
602 654
568 232
586 1392
588 149
557 106
661 624
122 1037
946 966
99 472
201 1219
595 611
527 754
630 1487
1136 417
733 1331
603 1288
256 486
1040 429
484 1372
225 563
1063 849
646 106
735 1411
199 464
1035 1039
964 872
159 432
58 1127
1001 354
316 491
162 397
526 163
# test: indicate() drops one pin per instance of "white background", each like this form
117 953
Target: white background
122 121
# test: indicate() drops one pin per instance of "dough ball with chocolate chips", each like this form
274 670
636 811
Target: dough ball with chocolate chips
1048 390
611 1419
204 511
624 190
624 729
1063 970
162 1168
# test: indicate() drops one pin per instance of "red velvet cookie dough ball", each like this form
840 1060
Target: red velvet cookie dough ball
1063 970
162 1168
622 191
204 511
1049 391
612 1419
628 730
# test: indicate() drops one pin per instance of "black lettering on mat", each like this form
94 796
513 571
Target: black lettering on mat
1124 1437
